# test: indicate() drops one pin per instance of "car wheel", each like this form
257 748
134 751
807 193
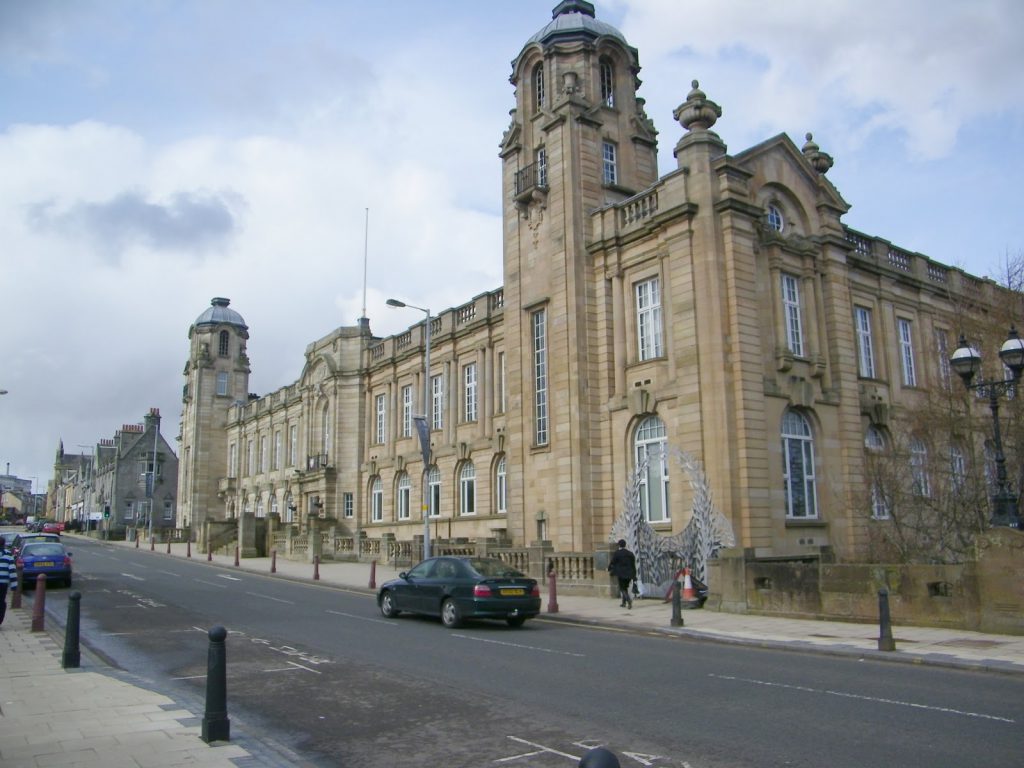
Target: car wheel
451 616
516 621
387 606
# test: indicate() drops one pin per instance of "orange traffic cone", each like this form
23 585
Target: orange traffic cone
689 593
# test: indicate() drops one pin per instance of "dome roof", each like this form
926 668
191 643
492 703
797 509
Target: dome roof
218 313
574 20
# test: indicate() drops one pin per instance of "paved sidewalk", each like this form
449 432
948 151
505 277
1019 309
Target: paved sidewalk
94 716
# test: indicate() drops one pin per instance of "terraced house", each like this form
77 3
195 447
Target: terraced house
722 308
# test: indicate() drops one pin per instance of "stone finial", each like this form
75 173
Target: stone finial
819 160
697 113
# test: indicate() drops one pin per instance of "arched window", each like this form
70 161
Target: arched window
607 83
798 466
919 479
289 509
874 443
273 503
404 494
538 86
377 501
434 491
500 487
774 218
223 339
467 489
650 444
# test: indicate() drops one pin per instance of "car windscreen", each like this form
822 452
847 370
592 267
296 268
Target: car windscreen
493 569
43 550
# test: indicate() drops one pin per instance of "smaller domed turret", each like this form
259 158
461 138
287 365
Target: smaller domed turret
218 313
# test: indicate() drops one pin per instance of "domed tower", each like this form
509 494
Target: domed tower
579 140
216 376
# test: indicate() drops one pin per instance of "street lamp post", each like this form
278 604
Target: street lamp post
966 361
423 424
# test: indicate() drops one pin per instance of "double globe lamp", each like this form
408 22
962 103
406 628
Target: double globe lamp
966 361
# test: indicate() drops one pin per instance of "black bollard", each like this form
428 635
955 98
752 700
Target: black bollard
599 757
72 656
39 604
677 604
885 641
216 726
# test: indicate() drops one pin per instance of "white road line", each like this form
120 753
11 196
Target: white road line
169 573
305 668
364 618
520 645
875 699
282 669
189 677
229 578
268 597
118 634
210 583
542 748
132 576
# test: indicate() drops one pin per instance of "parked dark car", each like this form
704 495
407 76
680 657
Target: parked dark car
458 588
46 557
21 539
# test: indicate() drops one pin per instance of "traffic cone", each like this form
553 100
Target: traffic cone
689 593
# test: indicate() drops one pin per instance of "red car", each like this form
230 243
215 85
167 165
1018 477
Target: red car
53 527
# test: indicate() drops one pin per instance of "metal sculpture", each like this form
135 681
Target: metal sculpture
657 556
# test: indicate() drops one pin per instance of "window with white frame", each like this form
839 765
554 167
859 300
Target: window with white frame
791 310
233 460
348 504
437 402
250 458
407 411
263 453
609 166
293 444
377 500
469 393
259 508
501 382
607 83
223 344
905 328
648 318
957 468
222 382
774 218
325 430
874 443
538 86
920 482
650 445
273 504
500 487
434 491
467 489
942 350
865 347
289 511
798 466
540 159
382 419
404 496
540 377
277 450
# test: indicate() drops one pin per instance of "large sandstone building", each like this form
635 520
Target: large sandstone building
723 309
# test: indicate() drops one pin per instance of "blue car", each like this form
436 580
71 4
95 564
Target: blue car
44 557
458 588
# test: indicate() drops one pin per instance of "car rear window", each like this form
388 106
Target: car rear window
493 568
43 550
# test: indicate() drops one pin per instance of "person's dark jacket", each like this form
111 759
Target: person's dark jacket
623 564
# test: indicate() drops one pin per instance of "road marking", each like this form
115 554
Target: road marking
875 699
364 618
119 634
268 597
189 677
229 578
169 573
305 668
211 584
540 748
132 576
520 645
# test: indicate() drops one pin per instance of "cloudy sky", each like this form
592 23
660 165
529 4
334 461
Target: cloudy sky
156 154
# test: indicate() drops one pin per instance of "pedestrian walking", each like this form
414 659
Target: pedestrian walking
8 576
623 567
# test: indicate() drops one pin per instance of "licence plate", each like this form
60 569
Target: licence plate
512 591
44 563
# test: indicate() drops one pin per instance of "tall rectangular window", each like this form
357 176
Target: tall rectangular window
407 411
907 352
791 311
250 458
501 488
469 410
404 495
263 453
942 349
540 377
222 382
648 318
541 160
382 431
610 174
347 504
607 84
437 402
865 349
233 460
293 444
501 382
276 461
